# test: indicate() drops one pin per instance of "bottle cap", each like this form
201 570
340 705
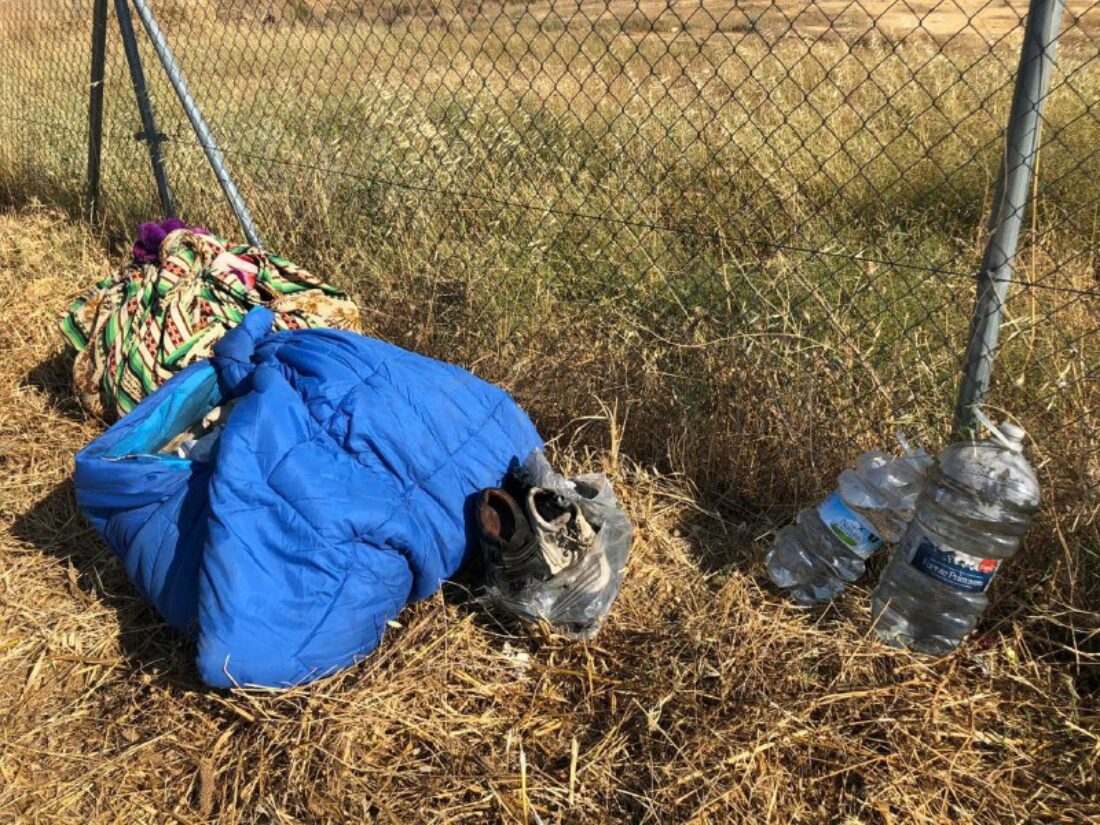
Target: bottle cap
1010 435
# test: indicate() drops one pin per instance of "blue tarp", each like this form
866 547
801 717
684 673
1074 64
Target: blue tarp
338 491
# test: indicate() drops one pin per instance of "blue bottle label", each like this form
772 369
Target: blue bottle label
852 530
969 574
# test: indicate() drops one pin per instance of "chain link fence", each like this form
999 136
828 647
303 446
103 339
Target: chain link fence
748 233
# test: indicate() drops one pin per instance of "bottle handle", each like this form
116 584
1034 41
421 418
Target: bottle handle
987 422
906 447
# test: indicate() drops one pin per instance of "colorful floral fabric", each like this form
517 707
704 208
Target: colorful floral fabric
165 311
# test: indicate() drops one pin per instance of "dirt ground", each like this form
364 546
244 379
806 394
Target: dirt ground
942 21
891 20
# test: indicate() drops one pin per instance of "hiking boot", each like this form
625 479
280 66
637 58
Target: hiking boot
561 529
507 539
565 540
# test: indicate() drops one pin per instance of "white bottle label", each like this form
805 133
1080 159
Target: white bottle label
852 530
960 571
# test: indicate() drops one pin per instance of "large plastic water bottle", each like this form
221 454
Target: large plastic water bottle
827 546
971 516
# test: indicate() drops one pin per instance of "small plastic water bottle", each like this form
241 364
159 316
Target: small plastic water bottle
971 516
827 546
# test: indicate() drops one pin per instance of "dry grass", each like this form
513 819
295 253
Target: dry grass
752 243
706 698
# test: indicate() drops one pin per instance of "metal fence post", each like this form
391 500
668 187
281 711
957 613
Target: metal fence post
95 107
198 122
1010 203
149 132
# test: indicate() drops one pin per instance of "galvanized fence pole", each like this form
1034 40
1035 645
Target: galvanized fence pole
198 122
95 108
1010 203
149 132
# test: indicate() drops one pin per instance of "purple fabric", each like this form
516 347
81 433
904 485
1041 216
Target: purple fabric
151 235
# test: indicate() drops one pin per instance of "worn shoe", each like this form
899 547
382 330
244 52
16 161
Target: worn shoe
561 529
565 539
507 539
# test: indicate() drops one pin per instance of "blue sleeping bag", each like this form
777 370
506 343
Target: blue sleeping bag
336 493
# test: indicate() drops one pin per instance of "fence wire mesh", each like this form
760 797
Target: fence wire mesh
749 231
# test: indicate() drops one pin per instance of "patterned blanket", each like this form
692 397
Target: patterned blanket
167 308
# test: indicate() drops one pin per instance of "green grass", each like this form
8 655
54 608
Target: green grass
758 250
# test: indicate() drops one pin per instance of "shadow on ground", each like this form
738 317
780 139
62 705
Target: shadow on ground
53 379
55 526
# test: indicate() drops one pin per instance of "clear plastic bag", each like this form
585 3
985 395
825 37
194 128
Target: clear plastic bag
575 601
